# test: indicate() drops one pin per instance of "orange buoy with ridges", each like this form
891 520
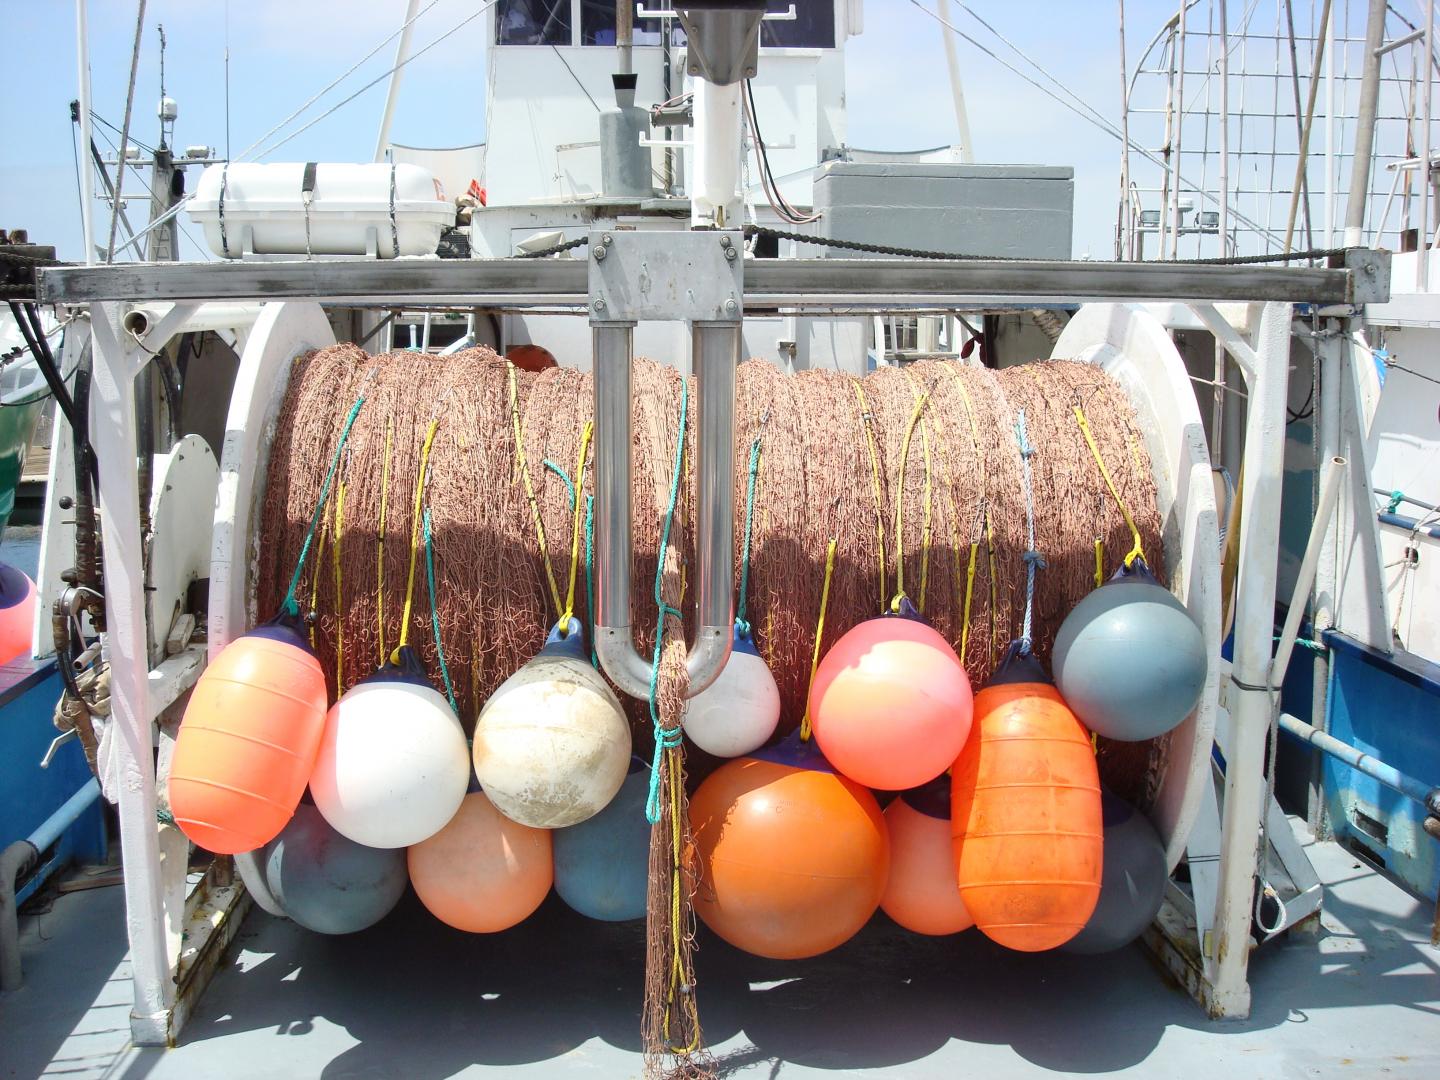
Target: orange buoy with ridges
248 741
791 857
1026 814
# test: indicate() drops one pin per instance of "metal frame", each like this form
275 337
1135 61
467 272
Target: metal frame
818 284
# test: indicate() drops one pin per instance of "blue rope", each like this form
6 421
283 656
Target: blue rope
435 615
740 622
289 605
1033 559
590 575
569 484
673 737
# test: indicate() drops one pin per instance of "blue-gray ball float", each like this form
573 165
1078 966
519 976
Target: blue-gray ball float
328 883
602 865
1129 660
1132 882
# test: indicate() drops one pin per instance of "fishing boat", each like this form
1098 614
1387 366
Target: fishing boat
666 591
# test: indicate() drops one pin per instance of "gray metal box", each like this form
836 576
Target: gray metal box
1004 211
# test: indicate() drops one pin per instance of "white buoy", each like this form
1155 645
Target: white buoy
738 712
552 744
393 768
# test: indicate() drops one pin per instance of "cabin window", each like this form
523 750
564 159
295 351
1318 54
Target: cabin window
812 28
532 22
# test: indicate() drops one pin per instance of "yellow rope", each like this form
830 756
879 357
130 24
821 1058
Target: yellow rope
819 635
579 516
1099 562
969 595
925 530
1137 550
524 468
415 537
677 885
984 502
339 606
900 504
876 489
380 546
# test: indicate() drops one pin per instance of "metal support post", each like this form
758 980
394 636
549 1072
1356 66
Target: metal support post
1365 127
614 642
113 433
1251 695
715 355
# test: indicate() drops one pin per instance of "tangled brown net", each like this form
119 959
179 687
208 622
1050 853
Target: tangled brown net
914 474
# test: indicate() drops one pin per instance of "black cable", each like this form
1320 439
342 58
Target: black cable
40 350
1306 411
1412 371
556 250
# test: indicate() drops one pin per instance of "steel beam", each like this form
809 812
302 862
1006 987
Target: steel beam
828 284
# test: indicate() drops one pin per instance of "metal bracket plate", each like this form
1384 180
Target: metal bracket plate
1370 275
668 276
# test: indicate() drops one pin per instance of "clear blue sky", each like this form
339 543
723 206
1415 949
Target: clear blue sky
282 51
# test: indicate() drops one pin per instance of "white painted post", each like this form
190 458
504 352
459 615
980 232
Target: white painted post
1250 698
113 436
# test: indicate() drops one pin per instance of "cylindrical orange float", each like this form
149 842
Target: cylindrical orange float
1026 815
922 894
792 856
482 873
17 613
891 703
248 740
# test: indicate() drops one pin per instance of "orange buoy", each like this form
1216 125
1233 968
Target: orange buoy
1026 814
248 740
17 612
482 873
922 894
530 357
792 856
891 703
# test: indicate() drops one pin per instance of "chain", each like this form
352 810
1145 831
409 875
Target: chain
569 245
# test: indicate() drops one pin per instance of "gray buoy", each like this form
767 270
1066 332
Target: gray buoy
1132 883
1129 660
328 883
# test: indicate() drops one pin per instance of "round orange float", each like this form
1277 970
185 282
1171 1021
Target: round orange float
792 857
890 703
1026 814
922 894
17 612
248 740
482 873
530 357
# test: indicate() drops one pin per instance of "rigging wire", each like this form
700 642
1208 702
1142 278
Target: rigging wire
481 10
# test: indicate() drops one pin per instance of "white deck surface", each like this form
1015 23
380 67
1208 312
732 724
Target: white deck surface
559 997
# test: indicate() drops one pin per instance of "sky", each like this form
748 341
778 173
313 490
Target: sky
283 51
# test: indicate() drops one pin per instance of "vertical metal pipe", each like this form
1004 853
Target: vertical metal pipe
614 643
1328 30
1250 698
87 174
1365 126
1423 236
715 356
1179 128
1123 244
625 34
957 87
402 54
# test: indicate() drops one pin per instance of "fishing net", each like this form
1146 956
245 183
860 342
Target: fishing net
907 481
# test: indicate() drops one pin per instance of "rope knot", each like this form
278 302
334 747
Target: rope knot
1035 560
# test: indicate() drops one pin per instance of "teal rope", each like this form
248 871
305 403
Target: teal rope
435 615
289 605
665 740
740 622
569 484
590 575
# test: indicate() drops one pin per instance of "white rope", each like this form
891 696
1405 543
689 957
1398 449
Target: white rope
382 77
1033 559
337 81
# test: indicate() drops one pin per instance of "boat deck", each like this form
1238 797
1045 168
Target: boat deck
559 997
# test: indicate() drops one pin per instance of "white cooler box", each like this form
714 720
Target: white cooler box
354 210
